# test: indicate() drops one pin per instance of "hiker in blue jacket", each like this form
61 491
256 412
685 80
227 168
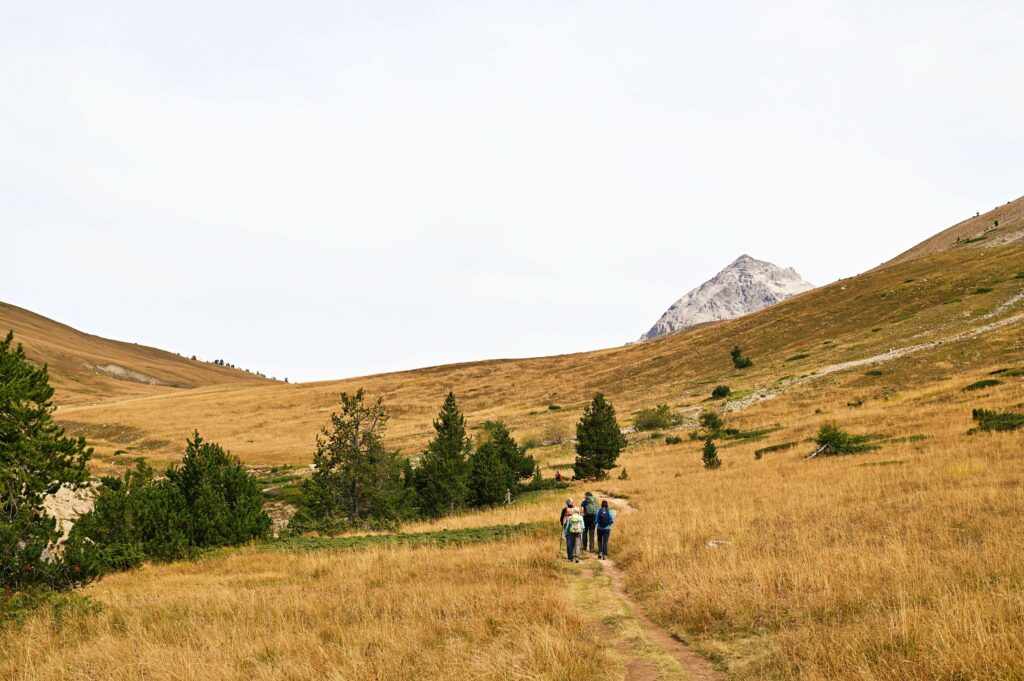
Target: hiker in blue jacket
605 518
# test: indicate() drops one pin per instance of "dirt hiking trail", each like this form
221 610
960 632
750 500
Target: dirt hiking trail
651 653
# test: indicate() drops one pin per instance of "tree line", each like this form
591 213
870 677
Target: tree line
209 499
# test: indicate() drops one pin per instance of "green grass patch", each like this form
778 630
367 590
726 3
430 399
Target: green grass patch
471 535
1020 275
873 372
893 462
795 358
906 438
951 301
876 329
982 290
906 317
1014 371
974 240
997 420
981 385
758 453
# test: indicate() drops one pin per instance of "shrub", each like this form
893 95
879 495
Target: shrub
794 358
876 329
982 290
712 423
653 419
739 360
981 385
673 440
995 420
834 441
721 391
873 372
1020 275
554 407
709 455
623 475
209 500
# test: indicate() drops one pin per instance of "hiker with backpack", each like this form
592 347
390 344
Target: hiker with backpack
574 528
605 518
590 521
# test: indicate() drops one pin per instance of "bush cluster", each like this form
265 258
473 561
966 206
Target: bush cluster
209 500
721 391
660 417
997 420
834 441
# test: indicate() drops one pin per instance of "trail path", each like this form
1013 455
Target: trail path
657 664
895 353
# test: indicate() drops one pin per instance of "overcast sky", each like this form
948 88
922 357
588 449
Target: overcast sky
325 189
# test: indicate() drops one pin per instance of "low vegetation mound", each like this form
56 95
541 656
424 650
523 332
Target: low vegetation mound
997 420
834 441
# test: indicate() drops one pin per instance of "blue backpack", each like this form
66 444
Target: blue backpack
604 518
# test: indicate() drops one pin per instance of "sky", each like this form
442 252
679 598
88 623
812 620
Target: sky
319 190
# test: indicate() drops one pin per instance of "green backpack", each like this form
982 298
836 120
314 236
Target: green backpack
576 524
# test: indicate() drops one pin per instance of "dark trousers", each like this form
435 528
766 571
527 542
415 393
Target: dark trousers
589 525
571 544
602 541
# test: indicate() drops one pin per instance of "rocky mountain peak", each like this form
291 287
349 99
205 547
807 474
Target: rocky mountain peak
745 286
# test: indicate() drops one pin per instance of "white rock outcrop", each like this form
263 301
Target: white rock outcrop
745 286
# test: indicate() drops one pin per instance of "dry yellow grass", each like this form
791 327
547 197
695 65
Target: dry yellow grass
896 564
496 611
901 563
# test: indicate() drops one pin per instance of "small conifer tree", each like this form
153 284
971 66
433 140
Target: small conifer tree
710 455
739 360
489 477
355 477
441 479
599 440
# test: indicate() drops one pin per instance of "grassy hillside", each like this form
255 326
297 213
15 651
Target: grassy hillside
897 563
86 368
1000 225
929 299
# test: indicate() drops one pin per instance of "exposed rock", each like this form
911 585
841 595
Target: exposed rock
745 286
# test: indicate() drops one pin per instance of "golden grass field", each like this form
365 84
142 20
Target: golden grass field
901 563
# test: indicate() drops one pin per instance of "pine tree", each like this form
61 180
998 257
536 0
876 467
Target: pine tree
599 440
521 466
441 477
36 459
489 477
710 455
225 502
355 477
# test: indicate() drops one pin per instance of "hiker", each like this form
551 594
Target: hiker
574 526
589 519
558 476
605 518
566 512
